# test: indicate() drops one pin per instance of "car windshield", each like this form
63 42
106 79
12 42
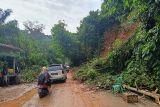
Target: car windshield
54 68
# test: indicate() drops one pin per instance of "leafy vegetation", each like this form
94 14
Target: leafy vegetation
37 48
136 60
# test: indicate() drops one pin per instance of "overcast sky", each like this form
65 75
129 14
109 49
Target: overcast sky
48 12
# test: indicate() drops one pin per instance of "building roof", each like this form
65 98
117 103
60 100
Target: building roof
9 47
8 50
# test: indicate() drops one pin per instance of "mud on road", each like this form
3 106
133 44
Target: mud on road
16 95
69 94
74 94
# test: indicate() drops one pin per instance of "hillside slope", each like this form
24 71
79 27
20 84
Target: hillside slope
132 53
94 72
117 34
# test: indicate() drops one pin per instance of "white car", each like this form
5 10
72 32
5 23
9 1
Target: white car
57 72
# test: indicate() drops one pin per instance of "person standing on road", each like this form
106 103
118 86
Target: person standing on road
2 80
1 69
1 76
4 73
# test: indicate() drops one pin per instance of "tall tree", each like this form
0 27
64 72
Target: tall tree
33 26
4 14
89 34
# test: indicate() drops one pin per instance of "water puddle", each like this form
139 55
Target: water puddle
18 102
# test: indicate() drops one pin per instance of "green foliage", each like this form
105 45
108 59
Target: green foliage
144 63
112 7
105 81
4 14
90 35
30 74
137 59
66 45
38 49
85 73
117 43
88 74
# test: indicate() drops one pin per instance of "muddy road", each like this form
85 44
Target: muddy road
73 94
69 94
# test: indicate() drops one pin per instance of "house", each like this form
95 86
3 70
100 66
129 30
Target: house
8 54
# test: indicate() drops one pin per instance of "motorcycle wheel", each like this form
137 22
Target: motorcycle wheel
42 92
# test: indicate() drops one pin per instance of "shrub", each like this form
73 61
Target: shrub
30 74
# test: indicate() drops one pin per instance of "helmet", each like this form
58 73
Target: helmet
44 68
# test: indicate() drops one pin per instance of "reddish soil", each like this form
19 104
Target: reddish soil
11 92
15 96
122 33
74 94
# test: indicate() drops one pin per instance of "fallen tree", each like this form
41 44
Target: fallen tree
144 92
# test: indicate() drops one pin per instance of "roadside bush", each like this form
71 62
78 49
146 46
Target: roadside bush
85 73
88 74
30 74
105 81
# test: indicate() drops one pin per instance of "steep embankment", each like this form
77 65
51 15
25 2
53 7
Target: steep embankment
136 60
94 72
117 35
132 54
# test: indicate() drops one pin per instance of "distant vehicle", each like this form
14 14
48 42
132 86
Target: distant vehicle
67 68
57 72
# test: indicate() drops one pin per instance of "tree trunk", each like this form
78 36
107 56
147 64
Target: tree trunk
153 95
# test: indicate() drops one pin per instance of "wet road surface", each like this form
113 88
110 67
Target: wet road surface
73 94
69 94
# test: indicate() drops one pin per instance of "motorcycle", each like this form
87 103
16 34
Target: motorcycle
42 92
43 85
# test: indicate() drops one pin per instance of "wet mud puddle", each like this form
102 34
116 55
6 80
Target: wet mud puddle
18 102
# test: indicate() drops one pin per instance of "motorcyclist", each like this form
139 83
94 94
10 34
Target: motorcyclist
44 80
